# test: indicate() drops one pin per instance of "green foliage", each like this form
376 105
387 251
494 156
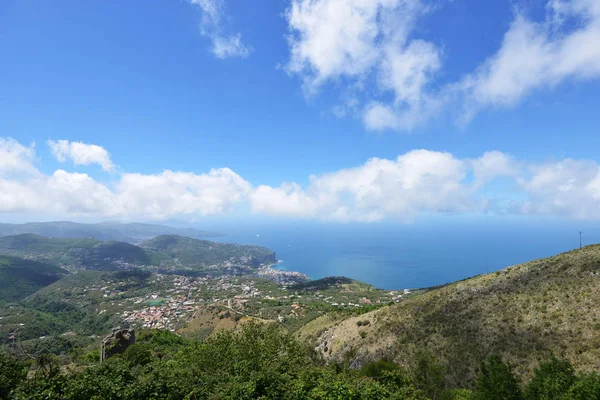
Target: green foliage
496 381
377 369
458 394
19 277
12 373
551 380
428 375
263 362
83 253
587 387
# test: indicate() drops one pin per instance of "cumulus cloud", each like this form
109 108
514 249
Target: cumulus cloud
213 26
566 188
14 157
351 41
134 195
81 153
415 183
371 48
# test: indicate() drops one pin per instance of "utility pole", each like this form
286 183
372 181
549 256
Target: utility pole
580 242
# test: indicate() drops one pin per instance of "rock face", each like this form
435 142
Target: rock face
117 342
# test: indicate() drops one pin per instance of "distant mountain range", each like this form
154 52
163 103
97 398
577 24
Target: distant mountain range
123 232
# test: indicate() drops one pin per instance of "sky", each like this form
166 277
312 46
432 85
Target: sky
337 111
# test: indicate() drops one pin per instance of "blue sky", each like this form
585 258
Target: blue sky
463 107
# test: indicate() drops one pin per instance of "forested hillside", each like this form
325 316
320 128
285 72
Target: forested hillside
19 277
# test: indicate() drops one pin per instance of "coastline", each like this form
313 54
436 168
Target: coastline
281 276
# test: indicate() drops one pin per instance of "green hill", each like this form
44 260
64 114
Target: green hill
333 283
205 255
524 313
20 278
82 253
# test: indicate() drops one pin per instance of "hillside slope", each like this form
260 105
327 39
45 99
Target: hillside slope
19 277
524 313
206 255
81 253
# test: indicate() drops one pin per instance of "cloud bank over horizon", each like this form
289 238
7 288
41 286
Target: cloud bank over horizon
419 182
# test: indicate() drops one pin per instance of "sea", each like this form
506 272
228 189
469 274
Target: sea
414 255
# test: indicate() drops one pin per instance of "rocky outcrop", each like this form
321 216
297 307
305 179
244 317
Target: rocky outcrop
117 342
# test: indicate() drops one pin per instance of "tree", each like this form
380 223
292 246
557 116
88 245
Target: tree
496 381
587 387
428 375
551 380
12 373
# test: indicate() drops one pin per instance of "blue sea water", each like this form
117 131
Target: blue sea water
422 254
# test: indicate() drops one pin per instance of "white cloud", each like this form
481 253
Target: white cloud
538 55
181 193
14 157
493 164
212 26
353 41
369 46
231 46
415 183
569 188
81 153
134 195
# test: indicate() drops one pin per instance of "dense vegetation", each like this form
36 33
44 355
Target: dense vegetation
19 277
524 313
131 233
263 362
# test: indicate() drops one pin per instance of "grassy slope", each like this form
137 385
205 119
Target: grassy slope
524 312
19 277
